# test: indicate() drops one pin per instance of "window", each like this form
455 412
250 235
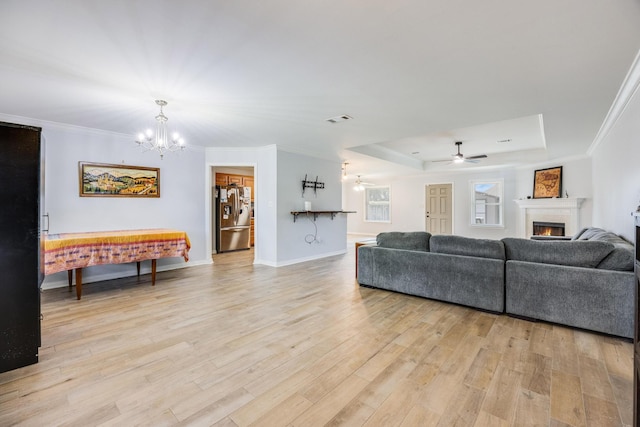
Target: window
377 204
486 203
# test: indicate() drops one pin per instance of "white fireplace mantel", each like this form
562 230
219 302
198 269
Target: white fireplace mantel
565 210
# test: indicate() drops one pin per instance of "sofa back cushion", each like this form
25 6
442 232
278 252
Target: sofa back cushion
411 240
620 259
458 245
574 253
580 233
589 233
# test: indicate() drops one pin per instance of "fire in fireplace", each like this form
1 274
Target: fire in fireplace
548 228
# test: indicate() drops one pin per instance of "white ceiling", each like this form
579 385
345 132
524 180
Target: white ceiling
414 75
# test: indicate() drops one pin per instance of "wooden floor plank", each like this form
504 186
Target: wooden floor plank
567 403
502 394
601 413
532 409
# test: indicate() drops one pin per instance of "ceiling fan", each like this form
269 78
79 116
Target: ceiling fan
461 158
359 185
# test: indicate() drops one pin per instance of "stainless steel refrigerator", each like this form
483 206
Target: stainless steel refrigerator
233 217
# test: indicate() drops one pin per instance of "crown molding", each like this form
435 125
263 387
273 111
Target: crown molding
625 94
45 124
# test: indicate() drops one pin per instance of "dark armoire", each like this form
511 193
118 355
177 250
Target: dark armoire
20 270
636 341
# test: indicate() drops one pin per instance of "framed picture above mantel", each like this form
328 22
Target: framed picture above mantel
547 183
112 180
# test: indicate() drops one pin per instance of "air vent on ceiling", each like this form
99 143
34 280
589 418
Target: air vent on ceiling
504 141
338 119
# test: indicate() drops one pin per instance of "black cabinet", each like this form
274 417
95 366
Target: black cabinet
20 270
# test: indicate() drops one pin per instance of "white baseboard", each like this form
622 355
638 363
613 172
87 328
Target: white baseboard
299 260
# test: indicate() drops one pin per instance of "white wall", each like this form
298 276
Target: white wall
616 171
278 191
408 199
330 234
179 205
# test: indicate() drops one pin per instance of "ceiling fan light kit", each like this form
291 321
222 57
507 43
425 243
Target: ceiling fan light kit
359 185
461 158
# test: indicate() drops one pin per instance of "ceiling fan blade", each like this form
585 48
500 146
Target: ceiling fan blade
479 156
436 161
467 160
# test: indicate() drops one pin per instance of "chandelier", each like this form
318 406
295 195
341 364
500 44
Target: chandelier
160 141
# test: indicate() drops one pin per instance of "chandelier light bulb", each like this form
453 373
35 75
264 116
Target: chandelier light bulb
161 142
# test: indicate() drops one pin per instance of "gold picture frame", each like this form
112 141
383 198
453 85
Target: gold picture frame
547 183
111 180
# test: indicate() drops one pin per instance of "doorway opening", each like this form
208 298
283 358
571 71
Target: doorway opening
439 208
232 208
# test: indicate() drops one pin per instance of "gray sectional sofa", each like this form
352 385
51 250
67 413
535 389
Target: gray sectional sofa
587 282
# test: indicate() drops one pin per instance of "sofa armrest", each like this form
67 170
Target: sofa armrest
364 265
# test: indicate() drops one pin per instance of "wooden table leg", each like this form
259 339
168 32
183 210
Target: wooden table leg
70 277
358 244
78 283
153 272
138 267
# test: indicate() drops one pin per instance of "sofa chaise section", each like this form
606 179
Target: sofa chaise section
585 284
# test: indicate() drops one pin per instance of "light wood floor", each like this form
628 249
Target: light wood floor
235 344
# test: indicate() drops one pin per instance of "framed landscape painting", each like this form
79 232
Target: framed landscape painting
107 180
547 183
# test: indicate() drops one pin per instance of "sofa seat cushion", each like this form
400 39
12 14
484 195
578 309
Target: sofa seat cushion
411 240
574 253
466 246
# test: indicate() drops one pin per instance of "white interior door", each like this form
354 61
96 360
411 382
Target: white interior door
439 206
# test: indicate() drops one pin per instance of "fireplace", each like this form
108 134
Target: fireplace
561 210
548 228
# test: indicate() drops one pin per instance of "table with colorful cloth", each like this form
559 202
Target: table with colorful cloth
74 251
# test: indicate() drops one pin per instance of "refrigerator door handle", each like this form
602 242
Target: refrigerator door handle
235 212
